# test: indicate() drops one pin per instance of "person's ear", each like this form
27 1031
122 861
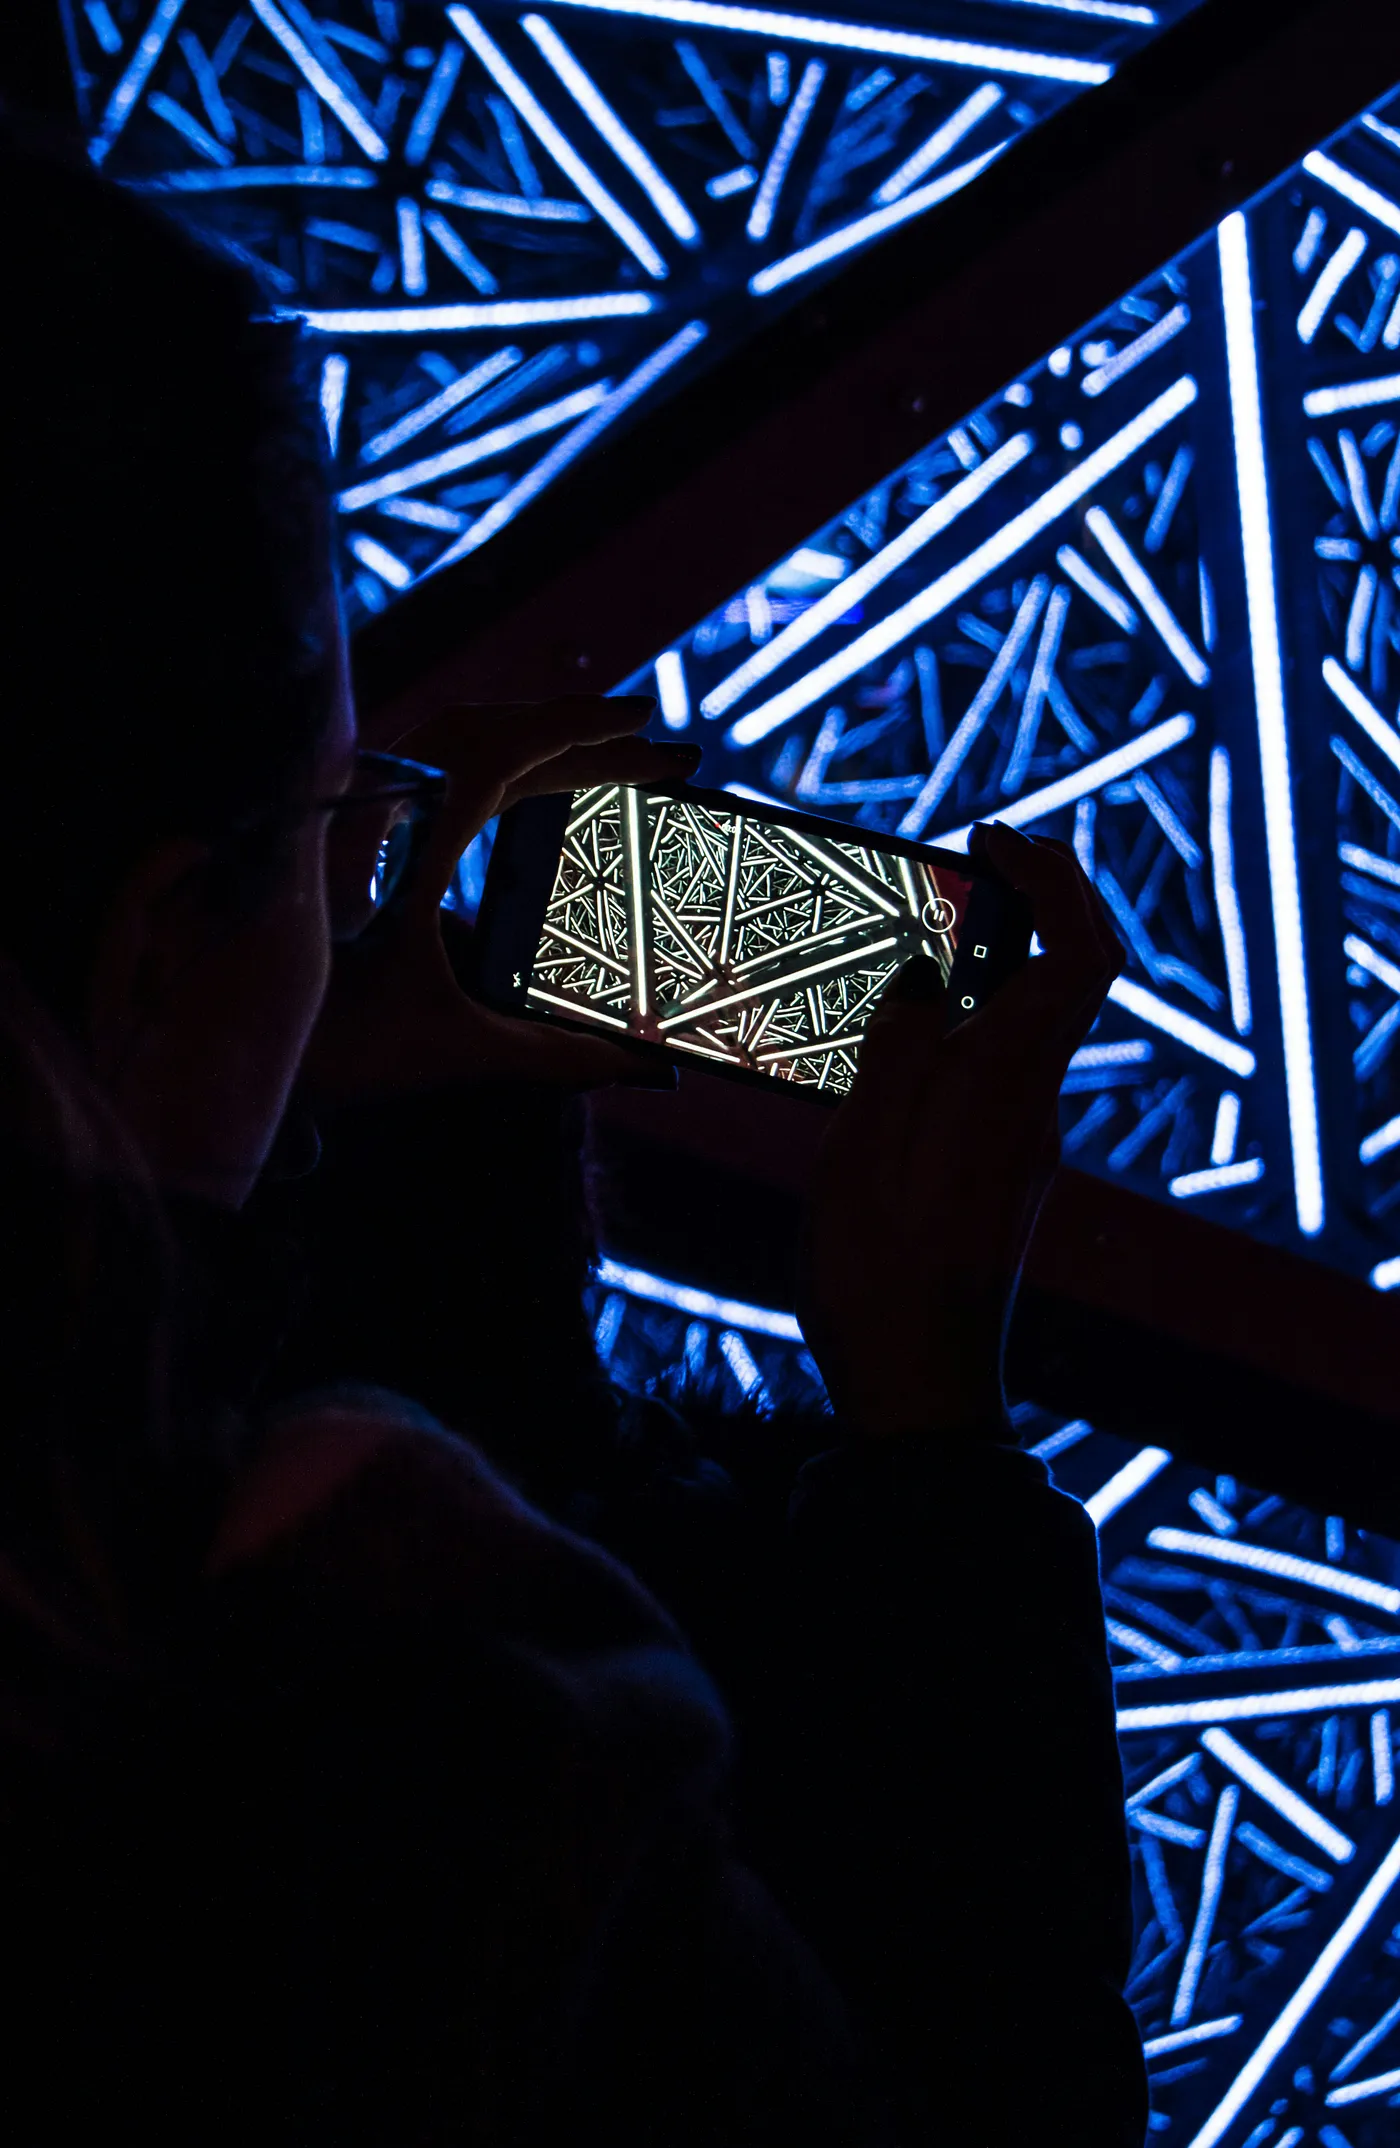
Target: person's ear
156 925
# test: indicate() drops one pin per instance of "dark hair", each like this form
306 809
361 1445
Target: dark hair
167 608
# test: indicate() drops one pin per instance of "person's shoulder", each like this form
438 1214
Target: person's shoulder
365 1496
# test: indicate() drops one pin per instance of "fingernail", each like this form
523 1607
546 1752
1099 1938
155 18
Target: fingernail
657 1073
920 979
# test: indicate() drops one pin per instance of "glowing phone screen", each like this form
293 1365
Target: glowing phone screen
739 939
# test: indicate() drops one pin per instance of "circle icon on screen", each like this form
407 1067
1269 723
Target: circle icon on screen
938 914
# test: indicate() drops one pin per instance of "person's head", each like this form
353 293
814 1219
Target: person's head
172 668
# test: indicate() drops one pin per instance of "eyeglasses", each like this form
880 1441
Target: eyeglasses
378 828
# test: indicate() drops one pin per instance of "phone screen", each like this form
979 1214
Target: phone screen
760 944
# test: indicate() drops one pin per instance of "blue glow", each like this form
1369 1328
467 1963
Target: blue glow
186 124
1212 1880
1352 189
1285 1565
1356 395
940 143
1256 538
1197 1036
387 565
770 185
1381 2084
1382 1141
1386 1275
1264 1847
700 1304
671 690
1036 805
438 406
1274 1791
329 81
1110 602
335 372
736 182
1149 597
624 144
1125 1484
1222 860
458 253
949 587
1182 2039
555 142
434 103
496 442
854 37
575 442
867 228
854 588
1220 1178
123 98
1370 719
447 320
533 209
1365 2045
1142 347
1308 1992
413 265
244 176
1330 280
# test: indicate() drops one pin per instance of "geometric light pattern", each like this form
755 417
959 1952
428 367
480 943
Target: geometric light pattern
1145 598
509 226
754 945
1256 1651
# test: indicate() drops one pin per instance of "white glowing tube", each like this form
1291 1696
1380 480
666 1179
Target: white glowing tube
1212 1881
620 139
320 78
1331 277
386 564
438 406
1143 346
413 266
1149 597
671 690
1352 189
1227 1128
700 1304
1382 1141
1366 957
1035 805
1380 2084
499 313
773 985
1260 1707
1279 2035
1218 1179
1147 1463
1227 901
1203 2032
865 228
496 442
335 373
1274 1791
854 37
1385 1275
579 438
1380 733
856 587
433 103
1251 475
795 119
536 118
1100 592
947 588
1357 395
135 77
1197 1036
940 143
1283 1565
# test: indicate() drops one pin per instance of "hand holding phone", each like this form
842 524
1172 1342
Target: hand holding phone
932 1173
753 939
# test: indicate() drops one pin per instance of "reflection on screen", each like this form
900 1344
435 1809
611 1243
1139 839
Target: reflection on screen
745 941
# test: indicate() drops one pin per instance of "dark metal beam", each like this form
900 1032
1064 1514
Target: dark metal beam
627 552
1142 1317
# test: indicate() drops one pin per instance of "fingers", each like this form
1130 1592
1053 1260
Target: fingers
622 760
1070 921
503 739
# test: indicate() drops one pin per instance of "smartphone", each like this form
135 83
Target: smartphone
729 930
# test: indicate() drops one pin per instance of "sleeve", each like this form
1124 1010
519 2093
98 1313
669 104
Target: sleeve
945 1815
516 1911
